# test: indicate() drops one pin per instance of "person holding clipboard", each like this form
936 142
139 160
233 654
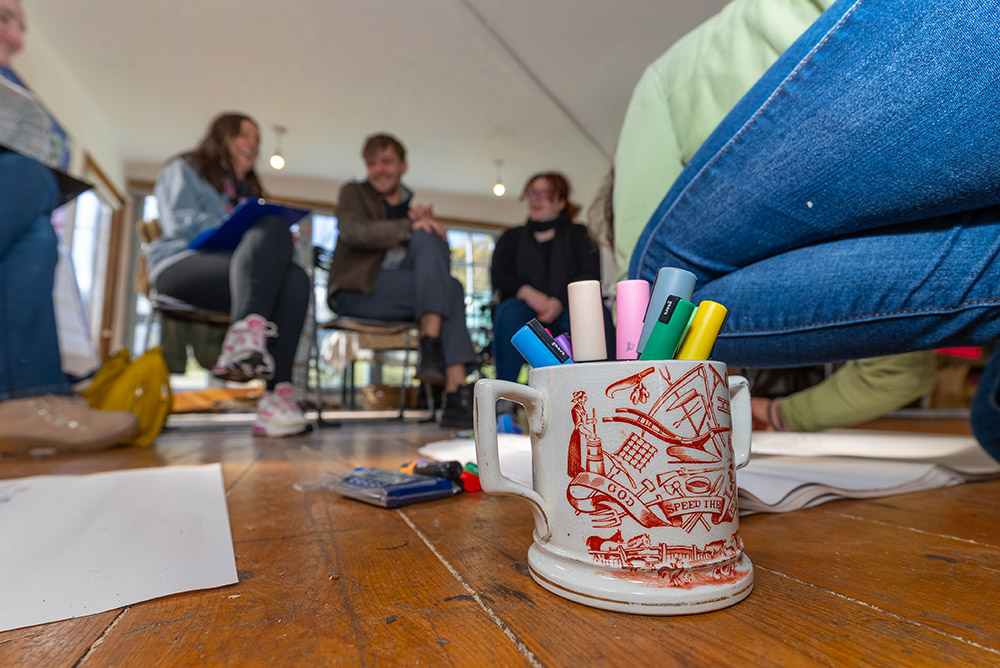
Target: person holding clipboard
256 281
37 412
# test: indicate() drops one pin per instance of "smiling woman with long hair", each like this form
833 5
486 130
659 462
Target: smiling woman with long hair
258 284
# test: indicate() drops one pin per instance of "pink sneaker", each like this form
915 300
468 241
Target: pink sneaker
244 352
278 414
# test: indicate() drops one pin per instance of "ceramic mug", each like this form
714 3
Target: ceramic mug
634 481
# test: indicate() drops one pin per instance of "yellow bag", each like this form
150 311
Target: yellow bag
141 387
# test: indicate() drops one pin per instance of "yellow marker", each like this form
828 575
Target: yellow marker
705 326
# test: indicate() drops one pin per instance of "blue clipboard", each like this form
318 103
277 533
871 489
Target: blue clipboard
226 237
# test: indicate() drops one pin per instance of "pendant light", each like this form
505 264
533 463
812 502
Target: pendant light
499 188
277 160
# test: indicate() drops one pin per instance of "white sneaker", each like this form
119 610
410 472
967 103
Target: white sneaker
278 414
244 352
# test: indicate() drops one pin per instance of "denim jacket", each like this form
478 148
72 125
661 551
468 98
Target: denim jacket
188 206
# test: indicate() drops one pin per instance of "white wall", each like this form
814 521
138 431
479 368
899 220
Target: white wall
507 210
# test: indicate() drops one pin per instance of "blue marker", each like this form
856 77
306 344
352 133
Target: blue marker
537 346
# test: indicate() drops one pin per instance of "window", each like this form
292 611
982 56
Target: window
142 308
91 229
471 255
324 236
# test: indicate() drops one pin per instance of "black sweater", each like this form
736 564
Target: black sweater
549 267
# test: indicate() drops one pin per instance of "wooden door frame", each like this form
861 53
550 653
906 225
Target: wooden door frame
115 242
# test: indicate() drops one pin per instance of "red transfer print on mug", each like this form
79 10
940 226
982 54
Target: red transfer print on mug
634 490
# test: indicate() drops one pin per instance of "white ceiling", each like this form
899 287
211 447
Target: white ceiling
540 84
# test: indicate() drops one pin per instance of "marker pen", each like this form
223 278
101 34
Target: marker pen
704 328
669 281
586 321
565 344
538 348
632 298
668 330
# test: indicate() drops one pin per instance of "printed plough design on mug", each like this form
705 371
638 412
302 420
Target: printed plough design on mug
616 464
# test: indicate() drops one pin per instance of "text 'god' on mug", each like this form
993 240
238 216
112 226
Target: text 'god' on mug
634 481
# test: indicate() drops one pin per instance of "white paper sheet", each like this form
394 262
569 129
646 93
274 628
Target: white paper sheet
514 451
75 545
771 479
960 452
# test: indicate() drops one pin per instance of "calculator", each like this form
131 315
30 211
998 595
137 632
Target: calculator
382 487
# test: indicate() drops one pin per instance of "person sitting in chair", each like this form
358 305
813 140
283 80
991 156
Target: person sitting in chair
392 263
534 264
265 293
36 411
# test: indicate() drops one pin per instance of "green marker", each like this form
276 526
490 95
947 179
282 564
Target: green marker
668 329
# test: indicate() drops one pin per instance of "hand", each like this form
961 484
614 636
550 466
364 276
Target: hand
418 212
431 226
758 414
551 309
532 297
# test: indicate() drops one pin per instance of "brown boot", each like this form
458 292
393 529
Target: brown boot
60 424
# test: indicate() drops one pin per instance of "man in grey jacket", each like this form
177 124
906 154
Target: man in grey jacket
392 262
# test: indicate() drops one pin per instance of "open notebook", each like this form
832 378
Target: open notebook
788 471
26 128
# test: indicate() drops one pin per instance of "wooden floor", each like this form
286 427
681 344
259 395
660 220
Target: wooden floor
907 580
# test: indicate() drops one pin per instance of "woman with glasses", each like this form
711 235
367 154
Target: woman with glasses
533 264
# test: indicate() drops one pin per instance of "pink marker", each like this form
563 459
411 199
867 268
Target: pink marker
632 298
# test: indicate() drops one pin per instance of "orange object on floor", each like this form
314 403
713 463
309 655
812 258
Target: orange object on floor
215 399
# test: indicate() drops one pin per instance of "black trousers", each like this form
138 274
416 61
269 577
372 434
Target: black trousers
258 277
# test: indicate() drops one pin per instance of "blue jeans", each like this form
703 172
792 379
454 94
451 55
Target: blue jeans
848 205
29 346
513 314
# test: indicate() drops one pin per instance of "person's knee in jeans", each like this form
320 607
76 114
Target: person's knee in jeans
29 189
37 251
424 241
510 316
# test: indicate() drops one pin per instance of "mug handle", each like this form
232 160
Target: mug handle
740 419
490 477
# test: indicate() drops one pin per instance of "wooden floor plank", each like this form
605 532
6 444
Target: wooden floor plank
965 512
320 599
905 580
783 622
284 611
56 645
933 579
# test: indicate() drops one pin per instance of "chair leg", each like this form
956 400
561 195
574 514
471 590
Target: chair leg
148 334
351 403
429 395
320 421
406 374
